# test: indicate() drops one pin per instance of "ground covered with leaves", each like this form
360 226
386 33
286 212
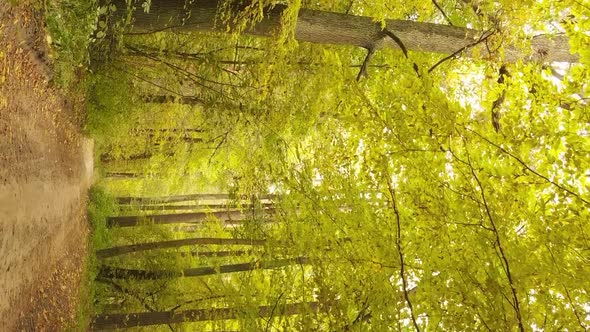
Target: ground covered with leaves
45 170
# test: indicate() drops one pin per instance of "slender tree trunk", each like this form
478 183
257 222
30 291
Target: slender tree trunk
170 99
179 198
220 206
221 253
126 320
124 175
110 272
175 218
107 158
157 140
122 250
170 130
340 29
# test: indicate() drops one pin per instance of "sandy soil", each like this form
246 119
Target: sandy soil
45 171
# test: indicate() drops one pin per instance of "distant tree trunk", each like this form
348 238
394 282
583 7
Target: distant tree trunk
157 140
180 198
127 320
169 130
107 158
122 250
110 272
194 217
336 28
124 175
221 253
218 206
170 99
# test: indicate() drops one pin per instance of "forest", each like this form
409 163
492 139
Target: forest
337 165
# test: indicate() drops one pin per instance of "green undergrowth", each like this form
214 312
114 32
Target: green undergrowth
72 26
101 205
109 103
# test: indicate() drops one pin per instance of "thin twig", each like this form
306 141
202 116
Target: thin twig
442 12
272 312
481 39
148 81
581 4
398 243
528 168
363 71
216 149
567 293
503 257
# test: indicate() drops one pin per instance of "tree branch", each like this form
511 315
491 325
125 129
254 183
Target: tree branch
365 65
503 257
442 12
528 168
398 244
402 47
481 39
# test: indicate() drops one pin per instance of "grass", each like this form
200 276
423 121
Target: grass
101 205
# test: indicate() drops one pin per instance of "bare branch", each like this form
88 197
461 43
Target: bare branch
402 47
483 38
365 65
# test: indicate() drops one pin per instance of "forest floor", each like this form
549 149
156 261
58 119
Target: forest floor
45 171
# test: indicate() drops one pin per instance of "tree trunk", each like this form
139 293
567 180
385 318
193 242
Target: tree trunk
221 253
169 99
110 272
179 198
124 175
175 218
107 158
122 250
220 206
340 29
126 320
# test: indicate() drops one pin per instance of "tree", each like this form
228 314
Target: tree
192 217
335 28
126 320
464 188
178 198
127 249
109 272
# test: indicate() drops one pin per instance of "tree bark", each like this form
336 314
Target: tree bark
126 320
221 253
220 206
122 250
323 27
110 272
179 198
194 217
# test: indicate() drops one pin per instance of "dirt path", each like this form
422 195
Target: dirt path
45 170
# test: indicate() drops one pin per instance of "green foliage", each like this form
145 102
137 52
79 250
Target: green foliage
71 26
101 205
85 307
409 203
